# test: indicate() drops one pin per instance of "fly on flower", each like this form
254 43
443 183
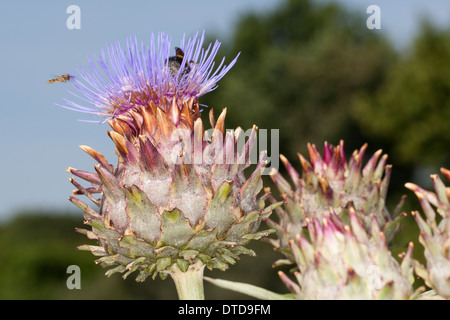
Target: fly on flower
121 78
62 78
175 62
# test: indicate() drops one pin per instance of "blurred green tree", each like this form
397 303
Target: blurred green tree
410 112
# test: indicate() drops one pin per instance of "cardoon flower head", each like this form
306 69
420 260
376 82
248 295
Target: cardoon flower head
121 78
332 181
343 261
435 234
178 199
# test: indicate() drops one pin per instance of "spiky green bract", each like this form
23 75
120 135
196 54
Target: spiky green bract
341 261
331 181
434 235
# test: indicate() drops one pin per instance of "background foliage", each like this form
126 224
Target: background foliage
316 73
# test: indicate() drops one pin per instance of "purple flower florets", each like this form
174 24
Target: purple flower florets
140 74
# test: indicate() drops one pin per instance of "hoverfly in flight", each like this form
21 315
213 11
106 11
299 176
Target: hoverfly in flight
63 78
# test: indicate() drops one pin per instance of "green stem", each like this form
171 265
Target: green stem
249 289
189 283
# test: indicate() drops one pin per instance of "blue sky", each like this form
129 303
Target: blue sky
40 140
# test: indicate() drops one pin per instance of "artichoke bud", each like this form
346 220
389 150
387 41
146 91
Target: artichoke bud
330 181
340 261
177 194
434 235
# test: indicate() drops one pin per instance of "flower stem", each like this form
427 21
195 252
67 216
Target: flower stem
189 283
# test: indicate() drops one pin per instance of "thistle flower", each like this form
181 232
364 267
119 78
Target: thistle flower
330 181
342 261
434 235
140 74
178 199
